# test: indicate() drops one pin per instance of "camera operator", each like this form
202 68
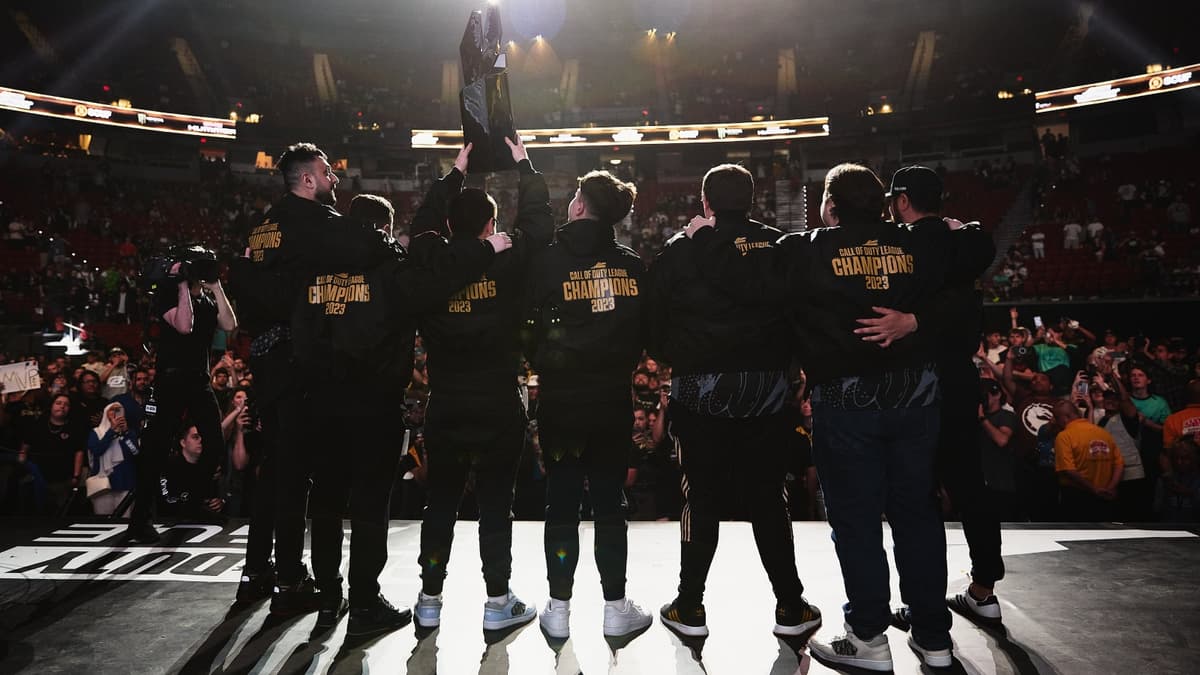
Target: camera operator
190 318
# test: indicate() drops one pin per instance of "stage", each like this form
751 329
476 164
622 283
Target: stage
73 599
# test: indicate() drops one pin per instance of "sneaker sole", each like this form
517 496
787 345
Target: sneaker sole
865 664
799 629
931 660
509 623
430 623
683 628
640 625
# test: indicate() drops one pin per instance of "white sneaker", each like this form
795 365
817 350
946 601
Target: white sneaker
849 650
624 617
986 610
511 612
934 658
556 618
428 610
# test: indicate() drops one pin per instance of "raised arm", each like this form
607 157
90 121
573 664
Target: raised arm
431 215
535 218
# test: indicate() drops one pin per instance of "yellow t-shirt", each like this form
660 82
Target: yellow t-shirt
1186 422
1088 449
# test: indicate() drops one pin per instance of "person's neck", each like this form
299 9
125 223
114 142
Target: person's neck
58 421
914 216
190 458
1141 393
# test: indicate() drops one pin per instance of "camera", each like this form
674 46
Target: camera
196 263
251 414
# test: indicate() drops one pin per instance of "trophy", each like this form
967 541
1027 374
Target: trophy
484 102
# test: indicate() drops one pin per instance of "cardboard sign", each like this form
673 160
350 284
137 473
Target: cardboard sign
20 377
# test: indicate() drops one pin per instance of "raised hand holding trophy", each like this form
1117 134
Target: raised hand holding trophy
484 101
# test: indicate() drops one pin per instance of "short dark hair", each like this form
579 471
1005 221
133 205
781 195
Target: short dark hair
470 211
181 432
729 187
372 210
293 161
86 373
221 371
608 198
856 192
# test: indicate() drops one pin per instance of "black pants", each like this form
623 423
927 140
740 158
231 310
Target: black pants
182 396
746 455
1084 507
461 441
281 495
356 463
595 452
960 468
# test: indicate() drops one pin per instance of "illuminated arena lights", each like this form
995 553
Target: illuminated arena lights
1164 81
92 112
575 137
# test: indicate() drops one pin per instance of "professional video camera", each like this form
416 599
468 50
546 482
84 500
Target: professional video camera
196 263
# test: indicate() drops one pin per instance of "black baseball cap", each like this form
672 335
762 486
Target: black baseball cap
921 183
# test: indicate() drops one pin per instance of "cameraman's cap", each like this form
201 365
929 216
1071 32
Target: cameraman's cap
920 183
116 350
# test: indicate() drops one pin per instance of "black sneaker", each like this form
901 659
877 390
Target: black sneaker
377 617
902 618
331 607
294 599
796 619
684 620
256 586
142 532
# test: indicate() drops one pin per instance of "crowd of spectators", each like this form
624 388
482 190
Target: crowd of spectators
1106 226
1144 393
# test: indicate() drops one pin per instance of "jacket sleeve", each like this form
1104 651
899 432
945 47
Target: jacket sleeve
98 446
969 252
657 308
431 215
534 312
534 225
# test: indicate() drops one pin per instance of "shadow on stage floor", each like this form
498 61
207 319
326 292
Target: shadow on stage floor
73 598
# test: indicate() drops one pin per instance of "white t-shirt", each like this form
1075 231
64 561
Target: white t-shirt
1094 228
1127 191
1038 238
1072 230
